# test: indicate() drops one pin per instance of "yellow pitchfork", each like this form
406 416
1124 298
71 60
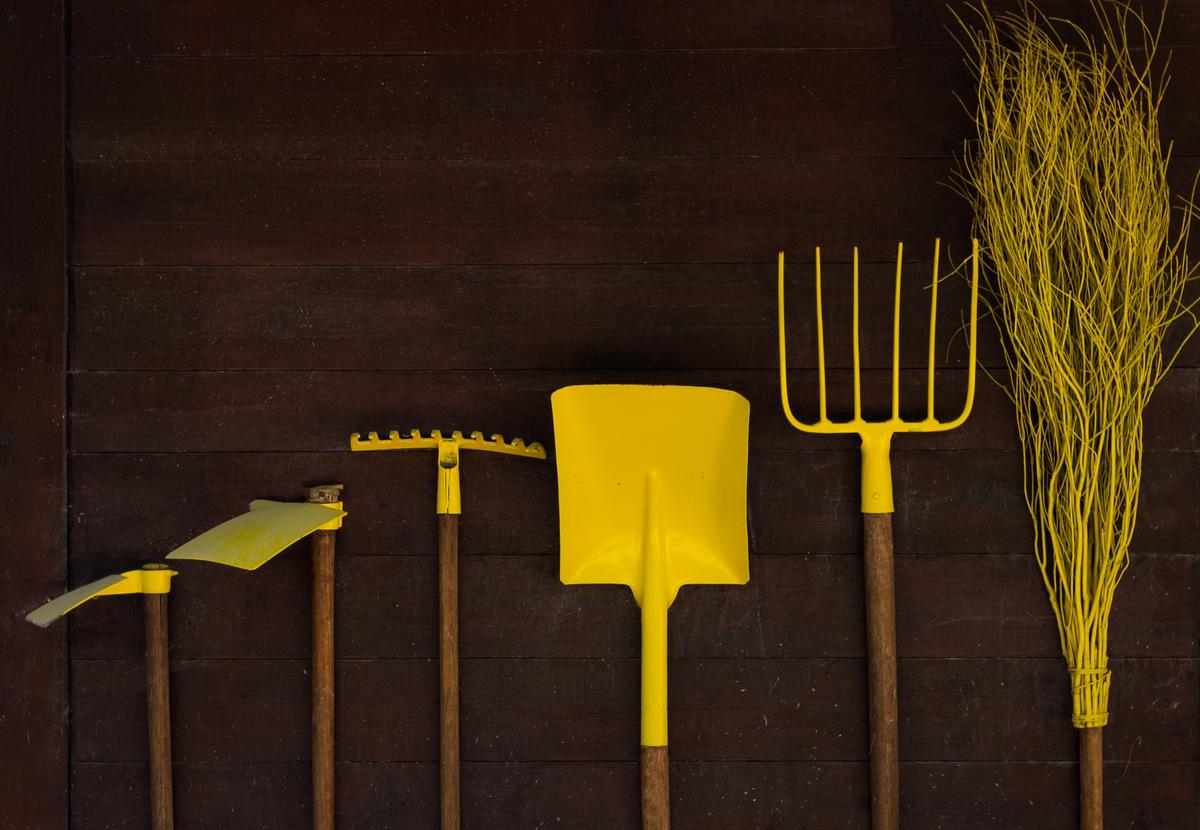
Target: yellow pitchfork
877 507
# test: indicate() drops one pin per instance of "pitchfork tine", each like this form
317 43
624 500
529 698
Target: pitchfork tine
937 248
854 334
896 337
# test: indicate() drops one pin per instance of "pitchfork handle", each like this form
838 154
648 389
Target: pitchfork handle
881 669
448 644
158 711
656 788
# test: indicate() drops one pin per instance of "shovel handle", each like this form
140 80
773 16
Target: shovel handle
323 548
448 653
656 788
158 713
1091 778
880 582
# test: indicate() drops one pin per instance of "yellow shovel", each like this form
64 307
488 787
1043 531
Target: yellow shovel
652 494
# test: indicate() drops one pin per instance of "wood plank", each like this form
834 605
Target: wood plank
827 103
33 313
307 27
528 105
141 506
480 211
716 795
173 411
514 607
249 711
577 317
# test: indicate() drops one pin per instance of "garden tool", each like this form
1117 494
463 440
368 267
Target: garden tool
153 581
250 540
449 507
877 507
652 494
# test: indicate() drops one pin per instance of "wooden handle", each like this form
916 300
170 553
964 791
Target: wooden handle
881 670
656 788
448 651
158 712
323 548
322 679
1091 778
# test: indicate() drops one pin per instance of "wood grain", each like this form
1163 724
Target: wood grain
880 600
656 788
448 695
1091 778
324 586
33 475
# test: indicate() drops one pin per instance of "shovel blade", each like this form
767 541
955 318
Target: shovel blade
644 463
251 539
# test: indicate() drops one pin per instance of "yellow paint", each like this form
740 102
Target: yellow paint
449 495
652 494
251 539
876 436
335 523
149 579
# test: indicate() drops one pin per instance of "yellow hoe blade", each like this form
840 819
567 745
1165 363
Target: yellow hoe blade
652 494
251 539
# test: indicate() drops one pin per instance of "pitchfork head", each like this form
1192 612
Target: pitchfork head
877 435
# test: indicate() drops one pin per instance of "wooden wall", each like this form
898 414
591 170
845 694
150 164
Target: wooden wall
294 220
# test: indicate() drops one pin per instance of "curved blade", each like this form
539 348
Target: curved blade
55 608
249 540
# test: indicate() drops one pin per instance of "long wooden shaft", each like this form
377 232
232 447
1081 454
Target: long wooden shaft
322 679
1091 778
448 653
158 711
881 670
656 788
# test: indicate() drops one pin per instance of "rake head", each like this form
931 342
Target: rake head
449 499
877 435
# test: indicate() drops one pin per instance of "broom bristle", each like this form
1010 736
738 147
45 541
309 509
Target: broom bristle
1068 181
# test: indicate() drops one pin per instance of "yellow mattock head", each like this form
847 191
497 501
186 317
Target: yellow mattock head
877 435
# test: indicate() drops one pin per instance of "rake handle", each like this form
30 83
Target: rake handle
448 654
656 788
1091 778
880 582
158 713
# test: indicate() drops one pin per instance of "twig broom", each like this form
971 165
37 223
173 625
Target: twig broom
1068 180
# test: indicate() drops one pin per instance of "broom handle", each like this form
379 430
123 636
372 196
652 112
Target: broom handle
881 670
1091 778
158 712
448 650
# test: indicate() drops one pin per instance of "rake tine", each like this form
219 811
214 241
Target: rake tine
937 247
854 334
820 342
896 337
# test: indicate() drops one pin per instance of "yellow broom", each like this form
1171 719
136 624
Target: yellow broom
1068 181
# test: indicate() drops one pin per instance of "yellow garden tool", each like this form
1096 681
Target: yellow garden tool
652 494
154 583
449 506
248 541
877 509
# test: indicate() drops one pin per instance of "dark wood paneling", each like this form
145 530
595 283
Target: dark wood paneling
860 103
310 27
587 710
480 211
527 105
33 310
600 796
515 607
